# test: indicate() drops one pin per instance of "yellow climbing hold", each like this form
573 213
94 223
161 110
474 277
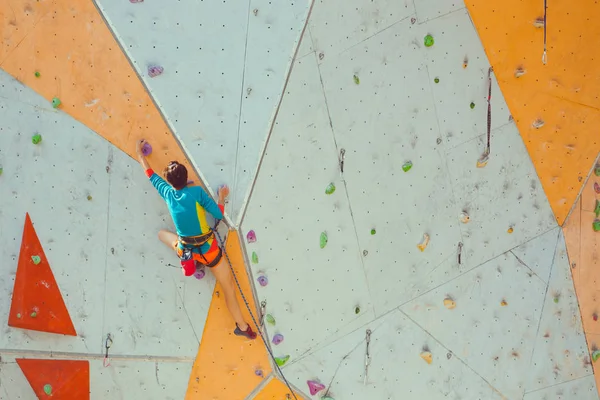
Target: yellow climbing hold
510 230
424 242
427 357
464 217
503 303
449 303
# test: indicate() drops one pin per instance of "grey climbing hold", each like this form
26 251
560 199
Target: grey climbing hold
155 70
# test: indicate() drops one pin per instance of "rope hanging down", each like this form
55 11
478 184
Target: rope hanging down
483 160
545 56
258 327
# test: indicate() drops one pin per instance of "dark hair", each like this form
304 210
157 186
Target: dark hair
176 174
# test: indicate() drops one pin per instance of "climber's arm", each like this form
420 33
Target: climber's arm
159 183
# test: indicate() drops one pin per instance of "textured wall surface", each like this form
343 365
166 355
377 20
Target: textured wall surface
374 145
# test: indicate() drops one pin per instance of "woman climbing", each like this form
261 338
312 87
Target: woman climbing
195 243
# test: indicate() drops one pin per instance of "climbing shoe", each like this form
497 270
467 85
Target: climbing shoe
249 333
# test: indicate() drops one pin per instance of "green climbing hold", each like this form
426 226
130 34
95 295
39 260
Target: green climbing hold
556 299
596 225
48 389
19 315
596 355
33 314
407 166
270 319
429 41
330 189
373 231
597 209
36 259
37 74
356 79
597 170
437 80
254 258
472 105
357 310
281 360
1 170
323 240
56 102
89 198
36 139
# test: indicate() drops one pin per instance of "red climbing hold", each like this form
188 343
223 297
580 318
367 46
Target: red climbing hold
36 301
57 379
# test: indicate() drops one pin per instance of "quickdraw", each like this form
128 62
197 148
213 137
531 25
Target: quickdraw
107 344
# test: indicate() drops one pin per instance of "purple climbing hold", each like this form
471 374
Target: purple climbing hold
155 70
199 274
277 339
146 149
259 372
263 281
314 387
251 237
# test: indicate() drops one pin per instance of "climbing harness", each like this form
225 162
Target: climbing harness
483 160
237 282
196 242
545 56
107 343
367 355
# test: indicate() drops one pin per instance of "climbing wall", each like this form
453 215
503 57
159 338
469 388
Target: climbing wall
583 244
554 105
113 275
223 66
387 133
164 380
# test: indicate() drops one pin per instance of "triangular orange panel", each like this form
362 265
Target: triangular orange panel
36 301
276 390
57 379
224 358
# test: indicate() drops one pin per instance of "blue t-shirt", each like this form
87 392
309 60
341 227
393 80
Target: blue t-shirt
186 207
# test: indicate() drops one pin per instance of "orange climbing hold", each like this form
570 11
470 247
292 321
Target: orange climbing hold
36 301
57 379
